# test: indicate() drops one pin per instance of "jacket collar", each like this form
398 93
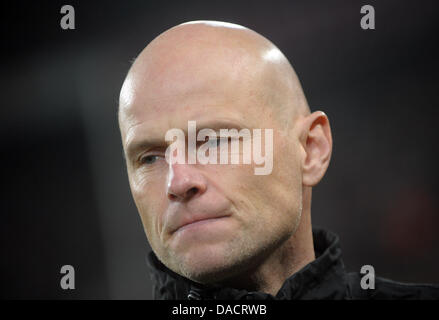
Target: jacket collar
323 278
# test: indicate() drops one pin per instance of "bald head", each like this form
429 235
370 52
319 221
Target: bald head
222 75
195 57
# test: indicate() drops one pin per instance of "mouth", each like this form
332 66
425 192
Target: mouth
197 224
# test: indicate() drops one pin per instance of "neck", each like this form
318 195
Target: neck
296 252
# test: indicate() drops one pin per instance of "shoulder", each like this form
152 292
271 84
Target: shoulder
386 289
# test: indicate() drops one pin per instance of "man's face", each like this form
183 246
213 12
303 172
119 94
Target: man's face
243 216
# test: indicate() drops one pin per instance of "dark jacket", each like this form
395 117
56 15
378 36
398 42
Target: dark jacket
323 278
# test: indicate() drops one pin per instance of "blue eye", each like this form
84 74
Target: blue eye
149 159
214 142
218 142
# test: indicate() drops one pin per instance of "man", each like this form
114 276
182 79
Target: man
220 231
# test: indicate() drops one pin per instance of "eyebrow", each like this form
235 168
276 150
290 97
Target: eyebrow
134 147
218 124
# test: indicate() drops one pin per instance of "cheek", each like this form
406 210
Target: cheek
287 182
150 199
274 199
141 178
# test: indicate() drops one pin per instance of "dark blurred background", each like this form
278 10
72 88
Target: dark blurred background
66 198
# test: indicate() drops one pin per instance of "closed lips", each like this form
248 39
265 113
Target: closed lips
200 221
197 221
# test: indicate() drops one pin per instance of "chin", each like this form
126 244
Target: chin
206 266
210 274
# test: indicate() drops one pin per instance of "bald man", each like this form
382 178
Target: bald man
218 230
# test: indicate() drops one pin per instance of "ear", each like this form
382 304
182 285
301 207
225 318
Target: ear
317 143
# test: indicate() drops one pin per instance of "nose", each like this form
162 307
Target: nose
185 182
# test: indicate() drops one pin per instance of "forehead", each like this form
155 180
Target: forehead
154 105
172 83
